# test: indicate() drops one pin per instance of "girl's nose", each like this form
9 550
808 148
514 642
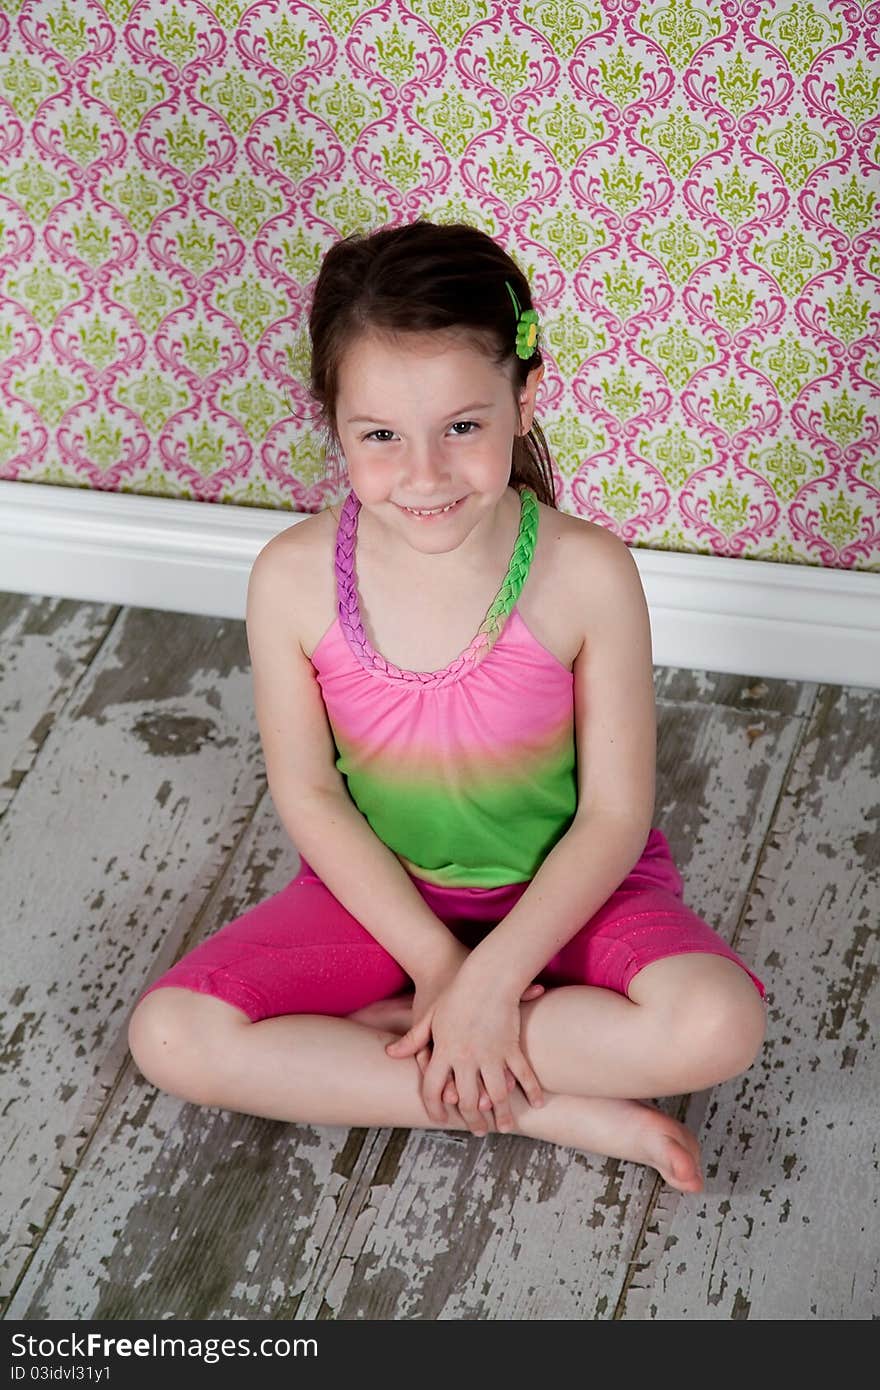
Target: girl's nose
425 463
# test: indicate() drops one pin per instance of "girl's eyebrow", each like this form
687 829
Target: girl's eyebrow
462 410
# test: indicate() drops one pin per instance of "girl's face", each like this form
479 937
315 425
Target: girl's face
424 422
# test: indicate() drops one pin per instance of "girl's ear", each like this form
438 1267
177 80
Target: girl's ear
533 381
529 392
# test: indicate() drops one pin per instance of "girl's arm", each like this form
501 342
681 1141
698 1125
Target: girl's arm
307 789
578 875
369 880
615 722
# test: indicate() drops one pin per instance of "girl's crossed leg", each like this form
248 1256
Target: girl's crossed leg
286 1013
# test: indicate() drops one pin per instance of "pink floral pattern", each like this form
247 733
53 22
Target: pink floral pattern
691 186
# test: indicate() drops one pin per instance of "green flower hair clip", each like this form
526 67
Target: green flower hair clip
526 327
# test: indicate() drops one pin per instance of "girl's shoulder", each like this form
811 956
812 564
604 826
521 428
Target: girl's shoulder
568 567
295 556
589 540
298 544
570 542
598 574
294 577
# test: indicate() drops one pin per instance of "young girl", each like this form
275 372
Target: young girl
486 933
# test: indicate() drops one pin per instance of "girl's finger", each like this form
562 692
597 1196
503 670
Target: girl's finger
411 1042
468 1088
433 1085
532 991
527 1079
450 1095
495 1081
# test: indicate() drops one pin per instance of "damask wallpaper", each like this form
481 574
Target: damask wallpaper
692 187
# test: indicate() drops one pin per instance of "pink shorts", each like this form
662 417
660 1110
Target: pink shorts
301 951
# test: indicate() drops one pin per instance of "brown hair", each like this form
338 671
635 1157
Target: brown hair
424 277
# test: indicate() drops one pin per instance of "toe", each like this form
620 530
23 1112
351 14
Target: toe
681 1168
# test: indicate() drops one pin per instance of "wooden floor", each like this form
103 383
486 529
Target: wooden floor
136 820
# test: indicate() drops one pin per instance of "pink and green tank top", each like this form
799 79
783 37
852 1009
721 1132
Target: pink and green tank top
467 772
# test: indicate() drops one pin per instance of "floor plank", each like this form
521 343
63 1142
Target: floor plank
143 824
747 693
46 644
121 827
177 1211
789 1227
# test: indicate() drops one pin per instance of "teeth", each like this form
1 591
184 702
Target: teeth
433 511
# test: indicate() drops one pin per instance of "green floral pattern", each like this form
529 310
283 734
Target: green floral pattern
691 187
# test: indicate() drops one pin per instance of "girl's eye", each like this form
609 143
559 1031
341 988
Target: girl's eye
471 424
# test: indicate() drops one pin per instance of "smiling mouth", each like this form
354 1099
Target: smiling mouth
433 511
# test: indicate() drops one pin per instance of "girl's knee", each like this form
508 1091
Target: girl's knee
175 1036
726 1022
708 1013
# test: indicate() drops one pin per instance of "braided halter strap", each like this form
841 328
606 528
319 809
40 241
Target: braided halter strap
491 627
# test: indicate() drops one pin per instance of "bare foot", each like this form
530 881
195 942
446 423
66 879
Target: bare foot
625 1129
675 1156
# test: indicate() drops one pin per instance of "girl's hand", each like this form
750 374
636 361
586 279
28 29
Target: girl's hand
475 1039
428 989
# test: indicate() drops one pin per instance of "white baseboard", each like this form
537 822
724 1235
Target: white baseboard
748 617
